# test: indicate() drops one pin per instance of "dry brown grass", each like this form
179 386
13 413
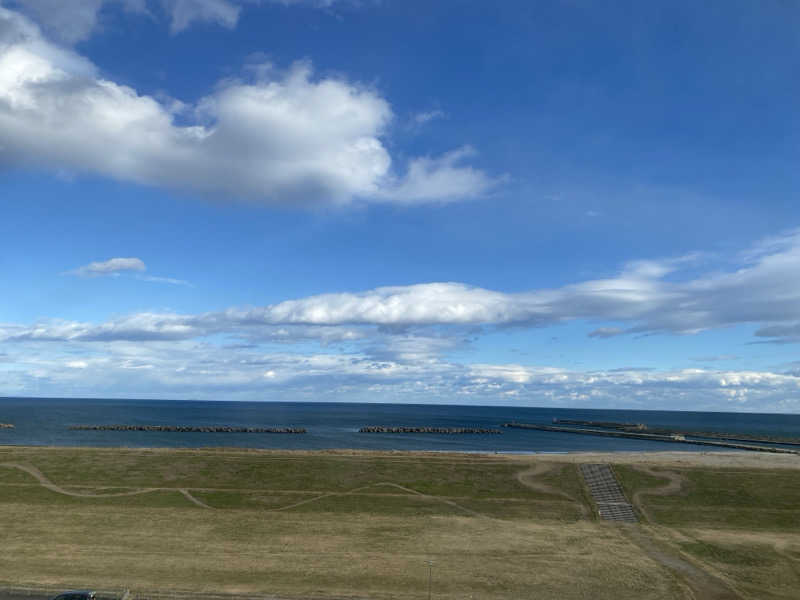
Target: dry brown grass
523 543
320 554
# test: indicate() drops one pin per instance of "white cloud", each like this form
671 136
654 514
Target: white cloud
112 266
397 340
187 369
714 358
426 116
74 20
186 12
70 20
645 297
606 332
170 280
441 178
282 138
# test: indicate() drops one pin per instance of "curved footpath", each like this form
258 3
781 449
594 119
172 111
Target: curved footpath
528 478
45 482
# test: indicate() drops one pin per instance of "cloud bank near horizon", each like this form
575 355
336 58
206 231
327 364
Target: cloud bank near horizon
282 137
400 339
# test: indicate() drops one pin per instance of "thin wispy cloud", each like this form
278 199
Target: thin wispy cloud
111 267
421 118
169 280
114 267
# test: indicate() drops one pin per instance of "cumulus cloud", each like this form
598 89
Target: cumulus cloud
395 342
644 297
285 137
112 266
399 340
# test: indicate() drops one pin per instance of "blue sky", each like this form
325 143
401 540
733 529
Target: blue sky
536 203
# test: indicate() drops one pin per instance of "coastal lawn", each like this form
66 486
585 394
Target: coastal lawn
749 499
744 524
451 475
322 554
359 524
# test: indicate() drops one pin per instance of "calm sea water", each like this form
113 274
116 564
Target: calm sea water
46 422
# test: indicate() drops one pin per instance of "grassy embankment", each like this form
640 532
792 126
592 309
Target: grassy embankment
363 525
742 523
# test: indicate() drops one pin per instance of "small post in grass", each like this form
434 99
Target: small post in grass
430 576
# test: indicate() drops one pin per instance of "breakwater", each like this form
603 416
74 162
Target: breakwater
188 429
713 435
446 430
602 424
6 426
675 438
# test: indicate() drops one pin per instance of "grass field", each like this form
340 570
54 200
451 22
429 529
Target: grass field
743 523
347 525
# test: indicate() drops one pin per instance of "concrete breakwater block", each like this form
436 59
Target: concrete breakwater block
188 428
445 430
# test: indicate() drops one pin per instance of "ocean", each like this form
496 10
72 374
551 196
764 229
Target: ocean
43 421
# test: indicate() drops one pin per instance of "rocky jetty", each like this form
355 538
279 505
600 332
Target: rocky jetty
446 430
6 426
188 428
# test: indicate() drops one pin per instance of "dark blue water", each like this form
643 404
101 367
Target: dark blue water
46 422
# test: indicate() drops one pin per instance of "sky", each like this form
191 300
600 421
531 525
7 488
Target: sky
551 203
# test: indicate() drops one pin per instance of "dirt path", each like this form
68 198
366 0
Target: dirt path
674 485
45 482
704 585
192 499
384 483
528 479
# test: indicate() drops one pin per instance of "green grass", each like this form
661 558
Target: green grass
38 495
759 570
303 555
763 499
736 556
490 536
466 477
